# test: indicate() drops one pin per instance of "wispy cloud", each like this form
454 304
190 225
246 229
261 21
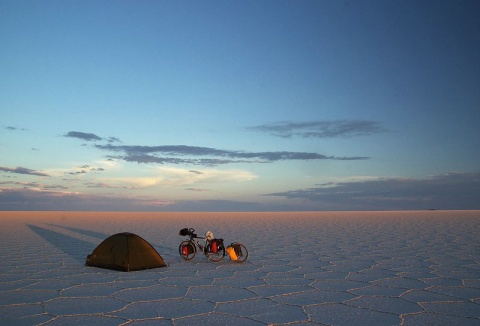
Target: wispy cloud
113 140
104 185
22 170
77 172
447 191
171 176
33 185
321 129
83 136
28 199
183 154
90 137
196 155
10 128
84 168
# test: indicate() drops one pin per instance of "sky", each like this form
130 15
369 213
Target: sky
266 105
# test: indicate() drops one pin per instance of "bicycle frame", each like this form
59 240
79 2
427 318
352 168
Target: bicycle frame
197 243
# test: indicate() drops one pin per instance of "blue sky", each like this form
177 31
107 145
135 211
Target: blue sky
239 105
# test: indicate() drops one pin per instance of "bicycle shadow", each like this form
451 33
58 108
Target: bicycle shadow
73 247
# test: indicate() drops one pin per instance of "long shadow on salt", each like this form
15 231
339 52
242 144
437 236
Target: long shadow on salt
88 233
73 247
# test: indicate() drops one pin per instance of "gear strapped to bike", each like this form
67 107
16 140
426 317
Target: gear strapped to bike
213 248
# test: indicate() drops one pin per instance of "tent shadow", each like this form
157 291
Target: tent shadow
88 233
103 236
75 248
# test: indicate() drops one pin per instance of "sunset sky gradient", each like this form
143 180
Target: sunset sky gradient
239 105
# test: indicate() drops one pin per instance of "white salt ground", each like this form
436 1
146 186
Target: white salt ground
318 268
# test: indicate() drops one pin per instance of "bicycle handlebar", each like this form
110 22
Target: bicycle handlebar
190 233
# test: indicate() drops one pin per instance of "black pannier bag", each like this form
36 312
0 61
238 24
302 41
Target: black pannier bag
238 249
184 232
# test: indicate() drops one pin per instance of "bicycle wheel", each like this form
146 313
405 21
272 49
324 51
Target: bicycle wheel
216 256
241 252
187 250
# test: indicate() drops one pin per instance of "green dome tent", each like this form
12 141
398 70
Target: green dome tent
125 252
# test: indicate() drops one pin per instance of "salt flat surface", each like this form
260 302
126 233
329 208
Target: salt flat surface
317 268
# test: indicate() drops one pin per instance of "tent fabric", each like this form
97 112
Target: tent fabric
125 252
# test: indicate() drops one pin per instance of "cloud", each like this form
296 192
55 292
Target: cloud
27 199
447 191
321 129
30 200
34 200
21 170
83 136
90 168
85 169
171 176
182 154
34 185
77 172
10 128
113 140
89 136
219 206
196 155
103 185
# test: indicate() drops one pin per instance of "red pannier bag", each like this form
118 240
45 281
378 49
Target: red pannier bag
187 249
213 246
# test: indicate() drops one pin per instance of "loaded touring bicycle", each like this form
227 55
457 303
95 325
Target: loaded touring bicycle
213 248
